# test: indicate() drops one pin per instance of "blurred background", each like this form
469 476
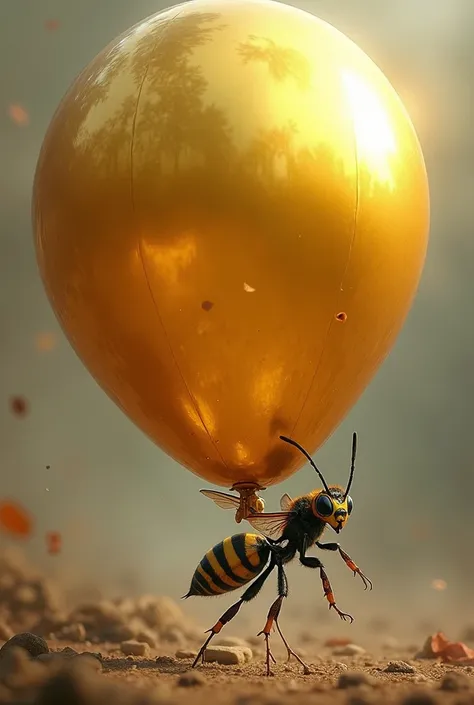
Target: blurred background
131 519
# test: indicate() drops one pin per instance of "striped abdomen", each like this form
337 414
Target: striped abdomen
230 564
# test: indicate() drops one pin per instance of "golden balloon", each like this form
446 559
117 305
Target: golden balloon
231 213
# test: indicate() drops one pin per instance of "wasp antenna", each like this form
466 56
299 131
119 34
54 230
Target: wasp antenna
309 458
353 460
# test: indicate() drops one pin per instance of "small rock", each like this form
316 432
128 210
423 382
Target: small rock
33 644
231 641
134 648
191 679
399 667
74 632
453 681
225 655
353 678
183 653
349 650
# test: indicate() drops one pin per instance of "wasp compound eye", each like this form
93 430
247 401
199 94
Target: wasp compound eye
324 506
349 505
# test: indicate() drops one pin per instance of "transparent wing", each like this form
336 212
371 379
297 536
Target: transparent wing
286 503
223 500
271 525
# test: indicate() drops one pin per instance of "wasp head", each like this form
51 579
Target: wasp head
332 507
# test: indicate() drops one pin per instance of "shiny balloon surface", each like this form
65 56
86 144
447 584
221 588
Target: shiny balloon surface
231 214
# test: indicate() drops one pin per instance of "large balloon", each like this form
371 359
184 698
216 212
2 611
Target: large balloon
231 215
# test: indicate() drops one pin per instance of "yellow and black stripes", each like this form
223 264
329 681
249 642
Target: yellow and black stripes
231 564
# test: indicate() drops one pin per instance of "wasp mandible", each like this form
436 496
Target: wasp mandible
241 558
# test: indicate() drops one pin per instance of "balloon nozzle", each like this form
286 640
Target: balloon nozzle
249 500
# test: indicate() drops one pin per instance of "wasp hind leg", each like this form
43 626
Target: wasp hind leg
251 592
272 618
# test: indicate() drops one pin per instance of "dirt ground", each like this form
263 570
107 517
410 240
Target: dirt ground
41 642
355 680
162 678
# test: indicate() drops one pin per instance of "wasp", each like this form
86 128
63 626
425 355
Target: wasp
251 558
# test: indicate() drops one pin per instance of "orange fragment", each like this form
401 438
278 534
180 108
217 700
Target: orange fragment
19 406
18 115
15 519
337 641
53 542
45 342
438 646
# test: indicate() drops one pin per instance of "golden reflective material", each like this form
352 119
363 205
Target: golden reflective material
231 213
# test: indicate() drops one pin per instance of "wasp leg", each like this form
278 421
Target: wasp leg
306 668
251 592
272 618
348 561
313 562
283 583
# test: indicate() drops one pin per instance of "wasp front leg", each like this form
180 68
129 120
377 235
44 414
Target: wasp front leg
348 561
313 562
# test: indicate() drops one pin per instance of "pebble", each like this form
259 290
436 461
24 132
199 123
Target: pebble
349 650
33 644
134 648
399 667
74 632
191 679
453 681
353 678
225 655
183 653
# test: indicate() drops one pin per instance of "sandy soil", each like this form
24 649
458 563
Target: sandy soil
42 639
359 680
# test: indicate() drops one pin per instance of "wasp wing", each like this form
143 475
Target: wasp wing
271 525
223 500
286 503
